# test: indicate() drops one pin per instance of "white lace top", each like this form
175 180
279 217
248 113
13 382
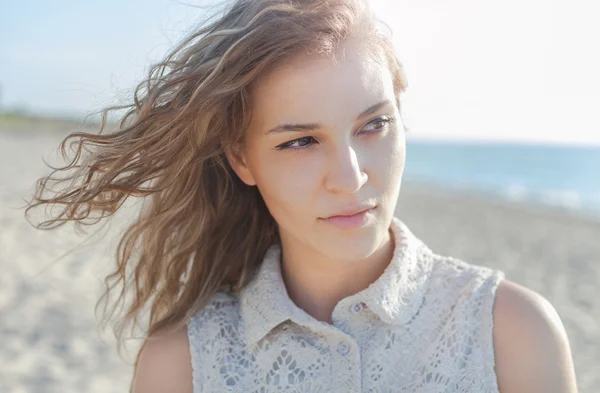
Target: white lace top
425 325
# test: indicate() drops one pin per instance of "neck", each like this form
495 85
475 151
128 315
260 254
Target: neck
316 284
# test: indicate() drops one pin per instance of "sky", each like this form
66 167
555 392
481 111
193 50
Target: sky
515 70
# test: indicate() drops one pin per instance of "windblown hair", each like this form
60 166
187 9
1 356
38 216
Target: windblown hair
202 229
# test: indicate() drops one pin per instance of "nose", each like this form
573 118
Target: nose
344 174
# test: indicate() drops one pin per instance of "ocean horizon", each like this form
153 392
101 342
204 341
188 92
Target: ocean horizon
558 176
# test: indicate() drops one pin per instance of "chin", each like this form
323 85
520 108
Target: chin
353 246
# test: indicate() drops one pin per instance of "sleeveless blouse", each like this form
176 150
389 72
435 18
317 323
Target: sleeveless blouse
425 325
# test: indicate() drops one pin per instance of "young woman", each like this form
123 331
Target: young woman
270 149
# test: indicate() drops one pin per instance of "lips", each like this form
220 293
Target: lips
351 211
351 218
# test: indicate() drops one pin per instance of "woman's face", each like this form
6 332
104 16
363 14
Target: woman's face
326 139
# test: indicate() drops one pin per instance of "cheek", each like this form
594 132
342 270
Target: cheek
287 182
386 160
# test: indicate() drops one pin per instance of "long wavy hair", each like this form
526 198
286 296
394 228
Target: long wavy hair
201 228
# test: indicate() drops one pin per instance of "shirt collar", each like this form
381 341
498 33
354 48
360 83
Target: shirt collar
395 296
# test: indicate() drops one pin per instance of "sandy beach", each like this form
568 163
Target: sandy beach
51 280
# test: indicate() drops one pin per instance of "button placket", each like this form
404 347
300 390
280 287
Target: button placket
346 366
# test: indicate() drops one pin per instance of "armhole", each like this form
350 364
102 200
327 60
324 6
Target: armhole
487 338
193 338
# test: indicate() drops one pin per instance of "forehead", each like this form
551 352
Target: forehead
311 88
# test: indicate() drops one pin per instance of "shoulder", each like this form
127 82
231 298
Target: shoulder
164 364
166 359
532 352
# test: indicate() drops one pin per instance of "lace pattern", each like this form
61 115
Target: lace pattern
425 325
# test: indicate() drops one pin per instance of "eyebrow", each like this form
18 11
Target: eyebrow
314 126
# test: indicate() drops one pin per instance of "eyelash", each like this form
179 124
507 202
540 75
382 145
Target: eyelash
384 119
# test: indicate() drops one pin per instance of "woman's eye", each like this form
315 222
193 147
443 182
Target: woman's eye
379 123
300 143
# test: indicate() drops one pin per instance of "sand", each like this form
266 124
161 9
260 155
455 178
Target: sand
50 281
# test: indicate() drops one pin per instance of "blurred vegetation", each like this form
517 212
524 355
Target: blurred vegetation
18 120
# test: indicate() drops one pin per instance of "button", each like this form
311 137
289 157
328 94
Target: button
356 308
343 348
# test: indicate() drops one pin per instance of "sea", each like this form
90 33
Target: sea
558 176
